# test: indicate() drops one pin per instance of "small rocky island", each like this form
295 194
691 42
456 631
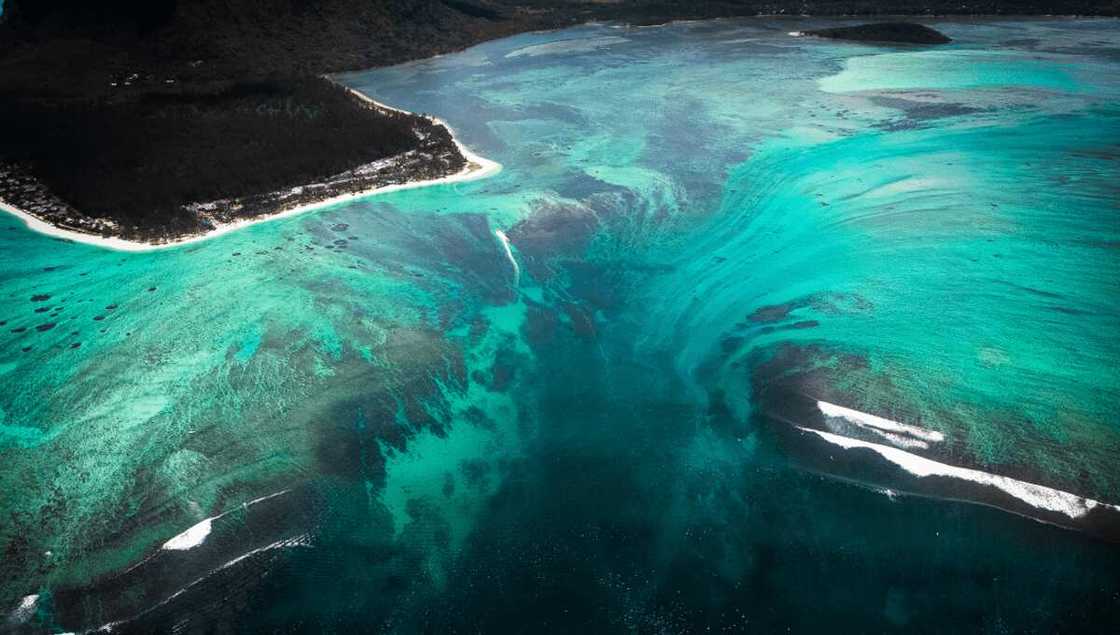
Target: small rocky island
893 32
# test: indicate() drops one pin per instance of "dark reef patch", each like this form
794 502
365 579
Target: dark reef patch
773 312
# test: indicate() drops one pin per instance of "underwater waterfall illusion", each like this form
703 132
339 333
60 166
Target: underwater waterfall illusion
751 332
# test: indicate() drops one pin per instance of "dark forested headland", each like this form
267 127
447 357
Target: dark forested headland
162 163
156 119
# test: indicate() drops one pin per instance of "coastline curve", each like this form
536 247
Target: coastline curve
477 167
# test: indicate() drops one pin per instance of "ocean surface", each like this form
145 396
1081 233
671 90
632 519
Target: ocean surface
752 332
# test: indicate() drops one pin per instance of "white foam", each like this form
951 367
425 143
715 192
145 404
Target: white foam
865 420
198 532
579 45
299 541
901 440
509 254
261 498
303 540
25 610
476 168
1037 496
190 538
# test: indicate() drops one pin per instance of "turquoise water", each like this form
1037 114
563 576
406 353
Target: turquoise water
709 223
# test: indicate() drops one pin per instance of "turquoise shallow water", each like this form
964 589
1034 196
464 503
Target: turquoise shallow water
709 224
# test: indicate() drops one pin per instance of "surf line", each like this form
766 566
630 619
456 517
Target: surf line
1037 496
197 533
475 167
303 540
899 434
509 254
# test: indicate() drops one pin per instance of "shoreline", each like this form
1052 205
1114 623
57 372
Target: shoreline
477 167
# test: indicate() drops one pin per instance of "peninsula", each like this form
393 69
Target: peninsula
254 151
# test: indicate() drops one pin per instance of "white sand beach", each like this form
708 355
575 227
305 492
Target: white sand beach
477 167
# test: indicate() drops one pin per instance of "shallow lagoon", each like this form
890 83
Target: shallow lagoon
708 222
